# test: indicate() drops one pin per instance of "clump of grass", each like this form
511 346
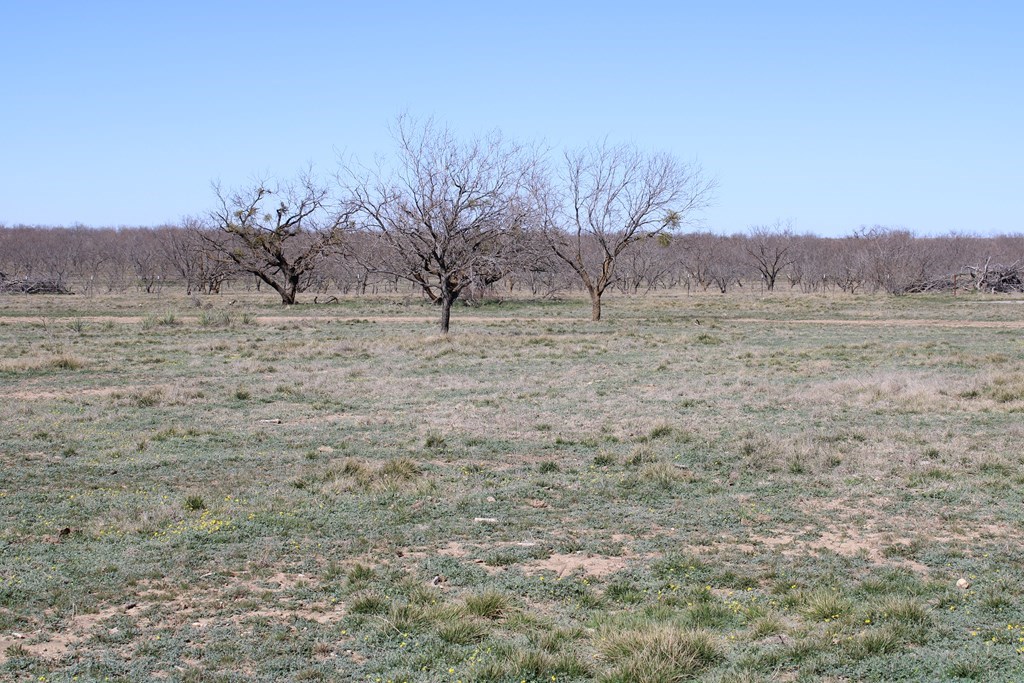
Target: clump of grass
665 475
195 503
824 604
1006 388
707 339
875 641
147 399
659 653
605 458
167 319
660 431
489 605
396 475
67 362
710 615
462 632
243 394
407 617
399 469
360 573
18 651
624 591
214 319
969 669
642 454
548 467
768 625
369 603
435 441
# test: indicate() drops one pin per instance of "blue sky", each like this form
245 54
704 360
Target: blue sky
831 115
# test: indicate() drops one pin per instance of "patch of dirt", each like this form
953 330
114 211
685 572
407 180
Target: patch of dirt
589 565
154 608
53 648
848 542
857 528
453 549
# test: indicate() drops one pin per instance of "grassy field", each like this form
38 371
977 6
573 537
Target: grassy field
732 488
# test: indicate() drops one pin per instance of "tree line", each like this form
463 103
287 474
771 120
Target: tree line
460 219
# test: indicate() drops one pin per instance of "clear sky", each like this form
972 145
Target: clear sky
832 115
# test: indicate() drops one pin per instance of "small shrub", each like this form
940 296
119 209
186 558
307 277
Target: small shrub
242 394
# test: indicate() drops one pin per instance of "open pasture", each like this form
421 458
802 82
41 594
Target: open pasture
724 488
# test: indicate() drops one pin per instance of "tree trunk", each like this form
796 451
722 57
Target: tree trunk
595 304
446 313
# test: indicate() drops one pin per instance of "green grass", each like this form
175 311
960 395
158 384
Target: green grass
336 493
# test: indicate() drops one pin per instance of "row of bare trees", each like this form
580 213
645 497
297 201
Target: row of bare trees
96 260
460 218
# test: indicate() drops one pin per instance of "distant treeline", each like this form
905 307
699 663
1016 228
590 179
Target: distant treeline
95 260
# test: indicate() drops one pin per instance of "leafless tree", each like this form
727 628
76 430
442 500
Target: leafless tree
280 245
729 266
451 215
187 249
648 265
894 259
608 198
770 248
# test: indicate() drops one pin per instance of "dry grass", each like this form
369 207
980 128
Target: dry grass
337 493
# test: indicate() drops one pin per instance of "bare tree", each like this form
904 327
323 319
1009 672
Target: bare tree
729 266
282 245
187 250
610 197
895 259
452 213
770 248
